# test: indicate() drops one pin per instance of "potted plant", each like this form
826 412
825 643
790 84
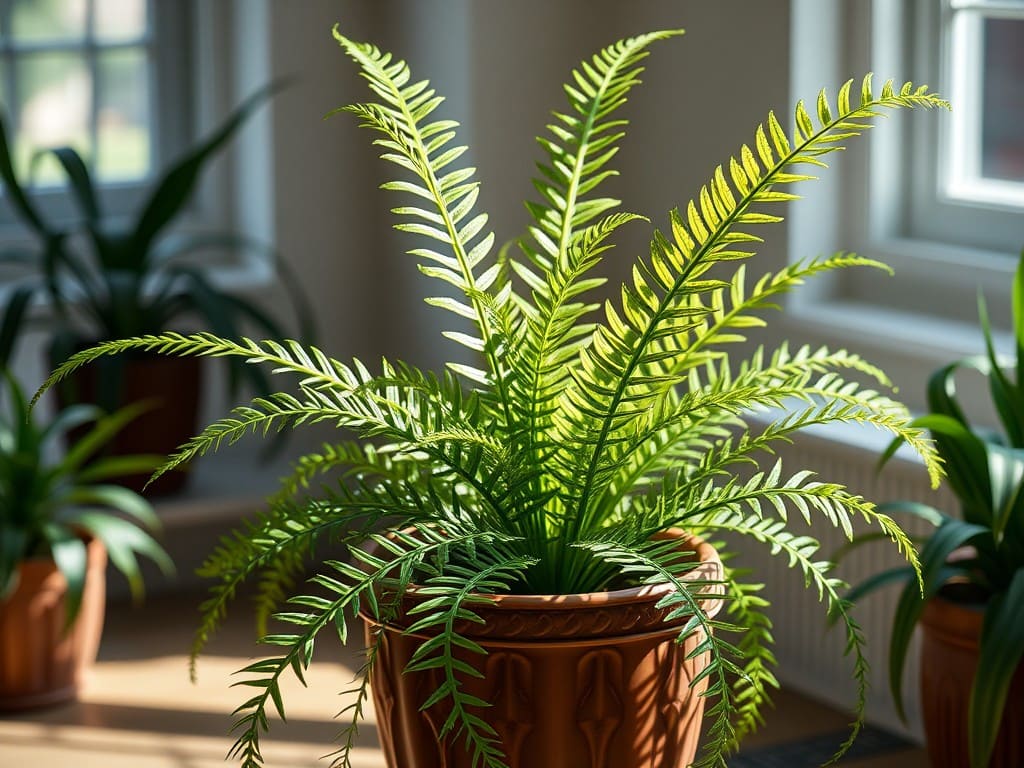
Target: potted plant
60 518
537 501
970 605
105 277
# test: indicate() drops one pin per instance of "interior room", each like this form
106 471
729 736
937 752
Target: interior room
653 398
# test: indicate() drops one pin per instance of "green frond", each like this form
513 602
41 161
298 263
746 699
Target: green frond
348 589
654 563
423 148
752 688
452 594
670 288
800 551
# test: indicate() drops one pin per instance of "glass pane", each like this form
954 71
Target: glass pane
119 19
38 20
1002 151
55 93
122 120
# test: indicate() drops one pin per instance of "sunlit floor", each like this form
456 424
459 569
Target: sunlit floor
139 709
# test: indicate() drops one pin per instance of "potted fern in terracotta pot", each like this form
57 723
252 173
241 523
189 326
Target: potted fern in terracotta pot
530 535
971 606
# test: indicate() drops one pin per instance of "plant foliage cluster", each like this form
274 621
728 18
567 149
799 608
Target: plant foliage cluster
983 548
585 428
48 505
121 277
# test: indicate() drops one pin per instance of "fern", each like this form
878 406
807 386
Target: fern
551 463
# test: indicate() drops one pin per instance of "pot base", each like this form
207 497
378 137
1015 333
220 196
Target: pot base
40 663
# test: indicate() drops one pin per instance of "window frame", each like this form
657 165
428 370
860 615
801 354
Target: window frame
926 315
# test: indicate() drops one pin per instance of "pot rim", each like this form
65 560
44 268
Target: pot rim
709 568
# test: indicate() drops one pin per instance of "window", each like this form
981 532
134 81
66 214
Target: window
107 77
939 196
77 73
984 66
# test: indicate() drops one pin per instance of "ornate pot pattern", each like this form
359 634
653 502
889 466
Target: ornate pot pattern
587 681
40 663
949 655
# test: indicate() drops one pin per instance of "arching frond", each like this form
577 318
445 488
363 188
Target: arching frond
800 552
423 147
669 290
654 563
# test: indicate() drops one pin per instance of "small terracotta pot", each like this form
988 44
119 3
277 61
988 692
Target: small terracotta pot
172 384
576 681
949 656
40 663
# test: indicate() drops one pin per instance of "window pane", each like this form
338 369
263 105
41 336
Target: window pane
1002 153
122 119
119 19
54 91
38 20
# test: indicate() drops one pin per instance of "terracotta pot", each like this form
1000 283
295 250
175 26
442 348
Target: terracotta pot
171 383
949 657
40 663
576 681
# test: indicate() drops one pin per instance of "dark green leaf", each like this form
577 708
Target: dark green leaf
951 535
69 554
1001 652
173 190
81 183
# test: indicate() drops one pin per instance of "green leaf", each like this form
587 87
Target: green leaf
175 187
124 540
69 554
1000 654
13 188
951 535
14 316
1005 395
81 183
99 436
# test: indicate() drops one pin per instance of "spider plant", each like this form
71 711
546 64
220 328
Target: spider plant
549 465
48 504
986 472
106 277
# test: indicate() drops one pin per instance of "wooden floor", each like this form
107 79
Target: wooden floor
139 709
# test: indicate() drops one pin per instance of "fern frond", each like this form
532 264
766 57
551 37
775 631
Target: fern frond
307 362
424 148
751 689
452 594
288 533
348 589
800 551
610 391
655 563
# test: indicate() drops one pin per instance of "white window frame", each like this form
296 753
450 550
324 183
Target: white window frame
927 314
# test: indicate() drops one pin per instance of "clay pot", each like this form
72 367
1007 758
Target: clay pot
949 656
588 681
172 384
40 663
